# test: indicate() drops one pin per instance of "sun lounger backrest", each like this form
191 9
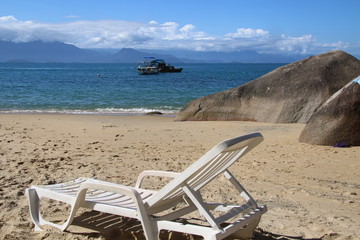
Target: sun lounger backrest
204 170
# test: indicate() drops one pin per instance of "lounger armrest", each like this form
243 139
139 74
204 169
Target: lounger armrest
110 187
155 173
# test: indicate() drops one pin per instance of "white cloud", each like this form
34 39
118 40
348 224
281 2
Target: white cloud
72 16
153 22
8 19
248 33
154 35
295 44
338 45
187 28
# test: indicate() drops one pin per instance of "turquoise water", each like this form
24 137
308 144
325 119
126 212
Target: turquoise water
114 88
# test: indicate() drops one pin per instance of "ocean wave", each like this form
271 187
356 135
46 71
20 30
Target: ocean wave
98 111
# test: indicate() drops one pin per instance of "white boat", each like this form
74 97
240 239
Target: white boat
147 70
151 65
147 67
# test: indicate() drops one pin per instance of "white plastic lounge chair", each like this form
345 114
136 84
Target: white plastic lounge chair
148 206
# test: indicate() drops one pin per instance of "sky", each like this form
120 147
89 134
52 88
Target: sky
266 26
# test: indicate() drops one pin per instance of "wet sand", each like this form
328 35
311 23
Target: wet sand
312 192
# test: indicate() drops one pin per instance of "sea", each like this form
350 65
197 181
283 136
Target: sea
115 89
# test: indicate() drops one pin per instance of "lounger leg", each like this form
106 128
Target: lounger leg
210 237
247 232
150 228
151 233
34 208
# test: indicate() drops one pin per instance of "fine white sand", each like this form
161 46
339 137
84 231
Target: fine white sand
312 192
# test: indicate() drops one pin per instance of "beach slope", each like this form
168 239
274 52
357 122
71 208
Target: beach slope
312 192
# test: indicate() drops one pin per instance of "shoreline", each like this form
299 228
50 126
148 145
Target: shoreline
81 112
310 191
171 115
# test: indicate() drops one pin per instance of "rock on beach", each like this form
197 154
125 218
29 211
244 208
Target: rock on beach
289 94
337 122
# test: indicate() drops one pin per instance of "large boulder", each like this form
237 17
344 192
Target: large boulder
338 120
289 94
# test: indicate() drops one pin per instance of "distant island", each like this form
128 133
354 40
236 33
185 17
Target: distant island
38 51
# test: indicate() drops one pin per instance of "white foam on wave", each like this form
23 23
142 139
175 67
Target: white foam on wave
98 111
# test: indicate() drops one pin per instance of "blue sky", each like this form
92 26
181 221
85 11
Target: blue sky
271 26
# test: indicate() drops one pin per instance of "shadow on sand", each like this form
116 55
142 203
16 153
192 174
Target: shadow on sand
112 227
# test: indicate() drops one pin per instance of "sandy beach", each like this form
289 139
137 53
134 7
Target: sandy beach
312 192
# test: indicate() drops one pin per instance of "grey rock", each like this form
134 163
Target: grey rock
337 122
289 94
154 113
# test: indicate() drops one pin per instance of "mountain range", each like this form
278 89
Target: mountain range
38 51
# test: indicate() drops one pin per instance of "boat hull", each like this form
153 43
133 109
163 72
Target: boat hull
148 71
174 70
151 66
